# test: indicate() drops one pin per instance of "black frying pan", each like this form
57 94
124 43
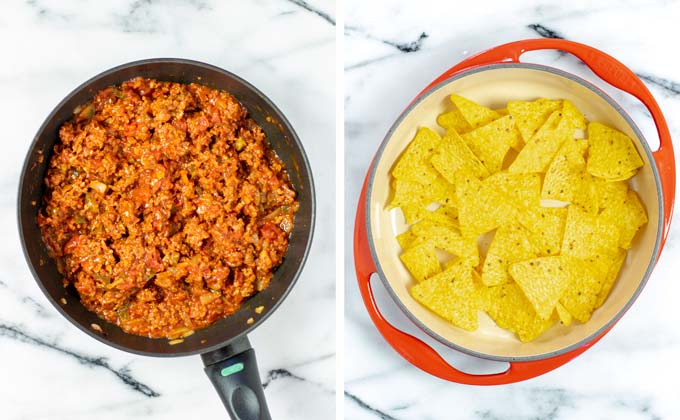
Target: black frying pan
228 358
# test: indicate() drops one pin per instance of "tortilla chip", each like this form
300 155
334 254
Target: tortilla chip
609 193
408 239
414 164
413 212
562 180
478 209
530 116
454 155
586 193
612 154
491 142
447 238
580 297
546 227
587 234
510 245
540 150
476 115
454 120
607 268
629 215
443 216
543 280
570 112
452 295
564 315
510 309
421 261
502 112
524 189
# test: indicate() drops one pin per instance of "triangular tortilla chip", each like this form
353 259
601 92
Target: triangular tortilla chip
587 234
629 215
540 150
475 114
452 295
510 245
543 281
414 164
510 309
491 142
421 261
612 154
453 155
562 180
530 116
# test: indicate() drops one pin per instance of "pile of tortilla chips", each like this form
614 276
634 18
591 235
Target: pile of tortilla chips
546 187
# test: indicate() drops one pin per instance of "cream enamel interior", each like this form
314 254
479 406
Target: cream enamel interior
494 87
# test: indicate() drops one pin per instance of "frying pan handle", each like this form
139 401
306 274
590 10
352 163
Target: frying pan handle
611 71
418 352
234 374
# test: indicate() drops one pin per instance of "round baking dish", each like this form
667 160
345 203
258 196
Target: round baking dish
493 78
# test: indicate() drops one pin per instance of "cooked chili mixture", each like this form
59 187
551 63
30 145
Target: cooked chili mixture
165 206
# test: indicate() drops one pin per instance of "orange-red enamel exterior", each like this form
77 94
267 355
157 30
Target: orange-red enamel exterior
608 69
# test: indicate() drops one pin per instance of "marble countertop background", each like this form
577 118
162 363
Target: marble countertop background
51 370
393 50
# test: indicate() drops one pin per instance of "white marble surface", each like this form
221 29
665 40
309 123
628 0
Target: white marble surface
51 370
634 372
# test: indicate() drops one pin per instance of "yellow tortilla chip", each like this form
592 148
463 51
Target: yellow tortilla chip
510 245
421 261
447 238
629 215
475 114
479 205
540 150
408 192
408 239
491 142
414 164
510 309
607 268
524 189
454 120
612 154
580 297
441 191
564 315
413 197
587 234
609 193
546 225
570 112
443 216
562 180
454 155
413 212
452 295
502 112
586 193
543 280
530 116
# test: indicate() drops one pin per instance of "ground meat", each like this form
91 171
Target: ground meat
165 206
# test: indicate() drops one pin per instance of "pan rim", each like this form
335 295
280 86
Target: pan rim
650 265
284 122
